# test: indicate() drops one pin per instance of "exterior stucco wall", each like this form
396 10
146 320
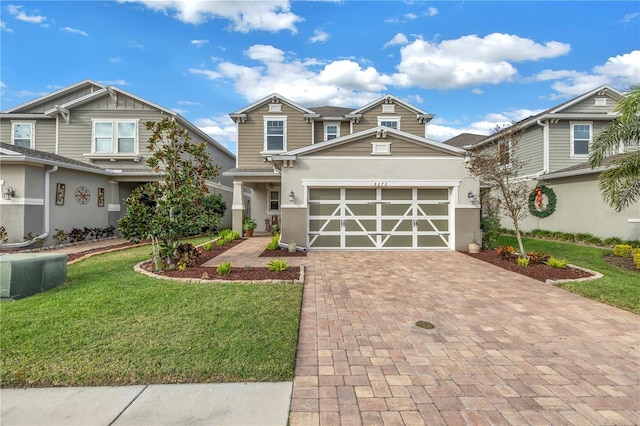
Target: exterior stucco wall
580 209
381 170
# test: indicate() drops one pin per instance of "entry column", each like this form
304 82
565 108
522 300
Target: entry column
237 207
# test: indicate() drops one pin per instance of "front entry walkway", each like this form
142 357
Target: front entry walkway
505 349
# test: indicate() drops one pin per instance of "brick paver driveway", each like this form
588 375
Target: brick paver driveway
506 349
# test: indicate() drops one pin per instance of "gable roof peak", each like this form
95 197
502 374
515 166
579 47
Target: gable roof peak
49 95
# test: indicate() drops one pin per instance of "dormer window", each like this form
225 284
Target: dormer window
275 134
388 109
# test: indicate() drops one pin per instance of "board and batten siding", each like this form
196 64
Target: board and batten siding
363 148
530 149
40 108
251 135
408 120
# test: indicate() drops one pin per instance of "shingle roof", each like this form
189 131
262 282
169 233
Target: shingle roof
331 111
586 166
46 156
464 139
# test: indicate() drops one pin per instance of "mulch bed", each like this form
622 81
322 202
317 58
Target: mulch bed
538 271
622 262
73 256
282 253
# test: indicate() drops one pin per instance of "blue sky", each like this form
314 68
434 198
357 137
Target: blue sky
473 64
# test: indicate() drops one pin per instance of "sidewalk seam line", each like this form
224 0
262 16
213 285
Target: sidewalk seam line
128 405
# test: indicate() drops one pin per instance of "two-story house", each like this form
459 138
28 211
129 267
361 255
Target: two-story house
555 145
342 178
69 159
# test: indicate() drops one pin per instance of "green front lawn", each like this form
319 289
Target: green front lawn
111 326
619 287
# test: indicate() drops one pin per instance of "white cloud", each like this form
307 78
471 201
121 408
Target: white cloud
319 37
19 13
136 45
212 75
115 60
115 82
349 75
221 128
199 43
432 11
4 27
397 40
244 16
477 91
411 16
621 72
74 31
189 103
630 17
470 60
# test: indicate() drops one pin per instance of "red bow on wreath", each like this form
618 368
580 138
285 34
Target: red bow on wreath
539 197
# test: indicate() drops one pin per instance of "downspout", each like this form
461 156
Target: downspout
47 196
545 148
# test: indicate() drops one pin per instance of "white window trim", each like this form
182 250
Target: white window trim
114 142
571 148
331 123
382 118
269 209
284 135
32 143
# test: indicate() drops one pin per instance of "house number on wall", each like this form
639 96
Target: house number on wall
380 184
82 195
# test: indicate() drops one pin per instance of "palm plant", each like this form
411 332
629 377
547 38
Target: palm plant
620 182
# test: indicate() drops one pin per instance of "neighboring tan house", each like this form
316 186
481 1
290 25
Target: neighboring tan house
556 145
339 178
69 159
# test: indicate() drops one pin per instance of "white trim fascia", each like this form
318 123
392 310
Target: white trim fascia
395 99
54 94
78 101
467 206
377 157
633 220
583 97
18 159
571 173
240 173
380 183
29 116
113 207
22 202
270 97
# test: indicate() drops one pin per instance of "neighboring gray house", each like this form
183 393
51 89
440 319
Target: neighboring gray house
556 146
69 158
338 178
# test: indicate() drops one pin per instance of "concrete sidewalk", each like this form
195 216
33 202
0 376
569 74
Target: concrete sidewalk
184 404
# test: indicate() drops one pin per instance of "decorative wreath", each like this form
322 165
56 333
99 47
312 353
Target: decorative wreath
536 205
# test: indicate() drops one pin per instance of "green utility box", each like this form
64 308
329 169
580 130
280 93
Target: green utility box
22 274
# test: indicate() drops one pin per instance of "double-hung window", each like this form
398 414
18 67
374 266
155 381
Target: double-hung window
115 136
275 134
581 134
274 200
22 134
331 131
392 122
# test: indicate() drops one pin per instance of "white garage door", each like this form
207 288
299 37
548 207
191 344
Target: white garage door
379 218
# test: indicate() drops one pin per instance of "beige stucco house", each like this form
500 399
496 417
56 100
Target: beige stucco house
555 146
68 159
340 178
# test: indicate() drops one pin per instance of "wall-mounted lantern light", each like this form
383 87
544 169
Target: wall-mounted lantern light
292 196
471 196
9 194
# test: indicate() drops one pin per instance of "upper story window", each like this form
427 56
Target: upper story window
581 134
275 133
22 134
392 122
115 136
331 131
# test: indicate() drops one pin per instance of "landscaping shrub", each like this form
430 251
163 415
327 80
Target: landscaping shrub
60 236
273 244
224 268
186 255
278 265
506 252
536 257
76 235
556 263
490 225
523 261
207 246
636 260
612 241
623 250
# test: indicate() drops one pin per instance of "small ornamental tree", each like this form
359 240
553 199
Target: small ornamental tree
173 207
497 165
